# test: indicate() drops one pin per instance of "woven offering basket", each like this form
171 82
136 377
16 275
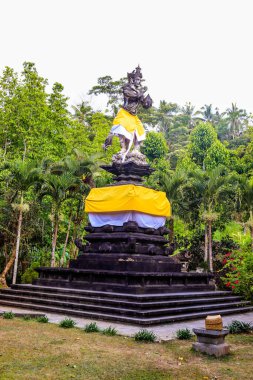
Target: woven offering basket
214 322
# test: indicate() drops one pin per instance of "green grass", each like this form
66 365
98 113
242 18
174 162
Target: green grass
184 334
8 315
67 323
91 328
239 327
42 319
30 351
145 336
111 331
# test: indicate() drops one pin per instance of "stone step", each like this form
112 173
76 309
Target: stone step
119 302
118 309
127 319
117 295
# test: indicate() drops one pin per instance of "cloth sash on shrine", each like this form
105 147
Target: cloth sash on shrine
119 218
128 125
127 198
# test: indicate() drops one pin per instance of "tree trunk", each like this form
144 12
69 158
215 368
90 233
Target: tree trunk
66 241
7 268
206 244
20 218
72 245
210 246
54 240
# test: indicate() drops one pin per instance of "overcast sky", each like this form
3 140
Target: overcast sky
189 50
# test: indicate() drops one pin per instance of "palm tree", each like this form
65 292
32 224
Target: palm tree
23 175
213 185
164 115
188 110
172 185
70 178
237 119
206 113
83 112
59 188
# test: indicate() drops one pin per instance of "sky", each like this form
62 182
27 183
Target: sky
197 51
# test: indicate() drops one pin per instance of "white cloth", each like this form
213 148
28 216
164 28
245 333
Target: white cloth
120 130
98 219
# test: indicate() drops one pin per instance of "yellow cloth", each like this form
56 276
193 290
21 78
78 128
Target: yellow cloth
128 198
129 122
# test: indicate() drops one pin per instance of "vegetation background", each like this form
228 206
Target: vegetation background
50 155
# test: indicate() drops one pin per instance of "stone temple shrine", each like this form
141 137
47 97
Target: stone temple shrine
125 270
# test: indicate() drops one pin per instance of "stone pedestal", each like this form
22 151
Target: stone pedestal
211 342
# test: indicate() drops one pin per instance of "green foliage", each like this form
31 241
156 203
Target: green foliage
42 319
67 323
91 327
233 230
184 334
109 331
216 155
239 275
202 138
155 146
145 336
239 327
50 160
30 274
8 315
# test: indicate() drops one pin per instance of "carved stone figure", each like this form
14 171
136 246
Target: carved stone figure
126 125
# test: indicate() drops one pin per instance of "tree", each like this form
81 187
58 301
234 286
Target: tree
22 175
212 185
207 114
247 203
83 113
59 188
155 146
237 119
172 185
164 115
112 89
216 155
201 139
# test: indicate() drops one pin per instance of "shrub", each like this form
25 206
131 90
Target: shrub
30 274
8 315
239 327
145 336
91 327
239 276
67 323
42 319
109 331
184 334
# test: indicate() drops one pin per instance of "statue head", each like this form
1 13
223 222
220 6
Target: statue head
135 76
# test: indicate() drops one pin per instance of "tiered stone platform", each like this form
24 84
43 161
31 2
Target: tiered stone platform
125 274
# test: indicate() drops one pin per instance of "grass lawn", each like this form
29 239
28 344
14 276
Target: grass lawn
30 350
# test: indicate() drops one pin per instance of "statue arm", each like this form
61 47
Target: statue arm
131 92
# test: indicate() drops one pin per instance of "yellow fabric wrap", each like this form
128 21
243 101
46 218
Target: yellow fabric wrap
129 122
128 198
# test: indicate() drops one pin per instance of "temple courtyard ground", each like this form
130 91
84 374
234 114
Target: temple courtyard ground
163 332
30 350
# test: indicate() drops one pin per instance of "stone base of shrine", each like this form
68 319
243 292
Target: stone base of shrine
133 274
